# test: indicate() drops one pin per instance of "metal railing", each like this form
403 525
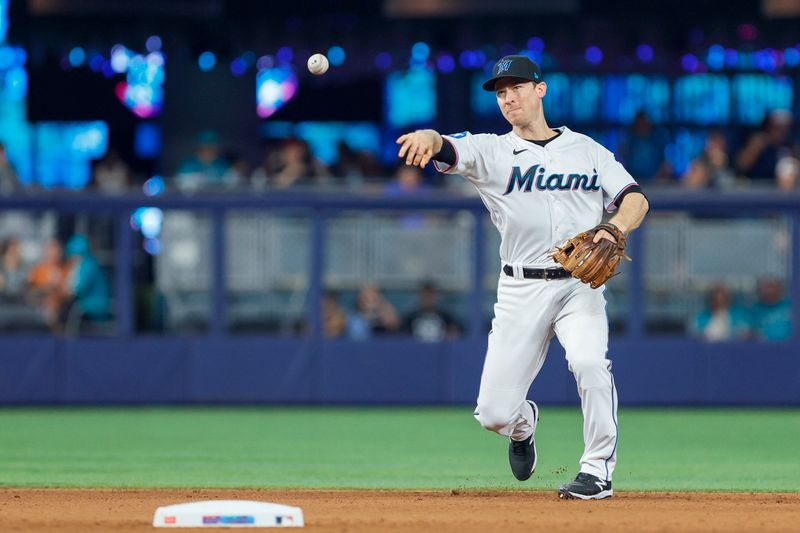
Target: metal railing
310 241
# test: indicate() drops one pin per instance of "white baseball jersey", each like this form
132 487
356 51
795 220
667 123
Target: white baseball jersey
539 196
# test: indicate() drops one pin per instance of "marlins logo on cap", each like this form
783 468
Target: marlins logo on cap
502 66
514 67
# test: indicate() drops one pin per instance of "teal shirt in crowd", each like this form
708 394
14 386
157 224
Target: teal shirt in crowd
90 285
772 322
739 323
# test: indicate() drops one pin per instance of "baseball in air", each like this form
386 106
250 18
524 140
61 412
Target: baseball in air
318 64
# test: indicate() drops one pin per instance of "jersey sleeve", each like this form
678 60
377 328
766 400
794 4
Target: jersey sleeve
472 153
614 179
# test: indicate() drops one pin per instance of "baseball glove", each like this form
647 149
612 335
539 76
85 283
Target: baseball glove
592 262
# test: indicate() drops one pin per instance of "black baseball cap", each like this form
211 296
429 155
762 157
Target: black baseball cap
514 67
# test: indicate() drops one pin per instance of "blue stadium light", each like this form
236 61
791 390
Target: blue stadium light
791 56
594 55
336 55
153 246
153 43
472 59
644 52
96 62
689 62
274 88
151 221
383 61
16 83
265 62
536 57
206 61
536 44
6 57
154 186
77 56
20 56
238 67
285 55
731 58
715 59
155 59
120 57
420 51
446 63
3 19
108 72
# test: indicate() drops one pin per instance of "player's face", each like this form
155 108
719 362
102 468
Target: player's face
519 100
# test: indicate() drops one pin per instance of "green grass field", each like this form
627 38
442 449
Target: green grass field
659 449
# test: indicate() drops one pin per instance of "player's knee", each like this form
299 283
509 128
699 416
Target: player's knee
493 418
590 372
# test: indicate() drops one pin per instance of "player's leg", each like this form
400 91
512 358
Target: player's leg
521 333
582 329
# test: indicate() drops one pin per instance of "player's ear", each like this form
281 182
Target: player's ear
541 89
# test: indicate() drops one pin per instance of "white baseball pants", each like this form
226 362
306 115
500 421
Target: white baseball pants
528 313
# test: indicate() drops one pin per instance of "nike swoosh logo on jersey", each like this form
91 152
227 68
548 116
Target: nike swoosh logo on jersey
517 152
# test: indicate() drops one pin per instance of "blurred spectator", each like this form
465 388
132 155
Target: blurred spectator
374 315
370 166
47 281
408 181
762 151
721 320
348 167
787 174
206 168
291 165
771 314
13 276
9 181
353 167
238 173
643 151
111 174
429 323
87 286
334 319
711 169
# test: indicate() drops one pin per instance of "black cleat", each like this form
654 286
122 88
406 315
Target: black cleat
522 454
586 487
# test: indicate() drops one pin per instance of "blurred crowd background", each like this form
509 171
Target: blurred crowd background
190 99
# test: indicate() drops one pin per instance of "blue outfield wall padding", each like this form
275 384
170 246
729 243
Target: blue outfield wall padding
252 370
665 372
30 371
147 370
753 373
384 371
133 371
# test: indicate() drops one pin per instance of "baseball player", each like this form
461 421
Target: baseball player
541 186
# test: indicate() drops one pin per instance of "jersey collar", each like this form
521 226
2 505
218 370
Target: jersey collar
563 129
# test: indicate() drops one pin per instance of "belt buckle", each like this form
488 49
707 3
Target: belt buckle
548 271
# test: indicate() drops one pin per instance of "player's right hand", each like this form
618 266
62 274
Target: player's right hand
419 147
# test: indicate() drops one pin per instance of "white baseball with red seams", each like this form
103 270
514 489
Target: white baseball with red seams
318 64
538 197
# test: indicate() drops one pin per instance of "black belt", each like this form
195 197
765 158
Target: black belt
538 273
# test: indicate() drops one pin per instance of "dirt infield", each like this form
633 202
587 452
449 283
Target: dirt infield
95 510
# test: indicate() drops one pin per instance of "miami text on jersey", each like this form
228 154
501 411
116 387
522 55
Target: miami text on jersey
553 182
